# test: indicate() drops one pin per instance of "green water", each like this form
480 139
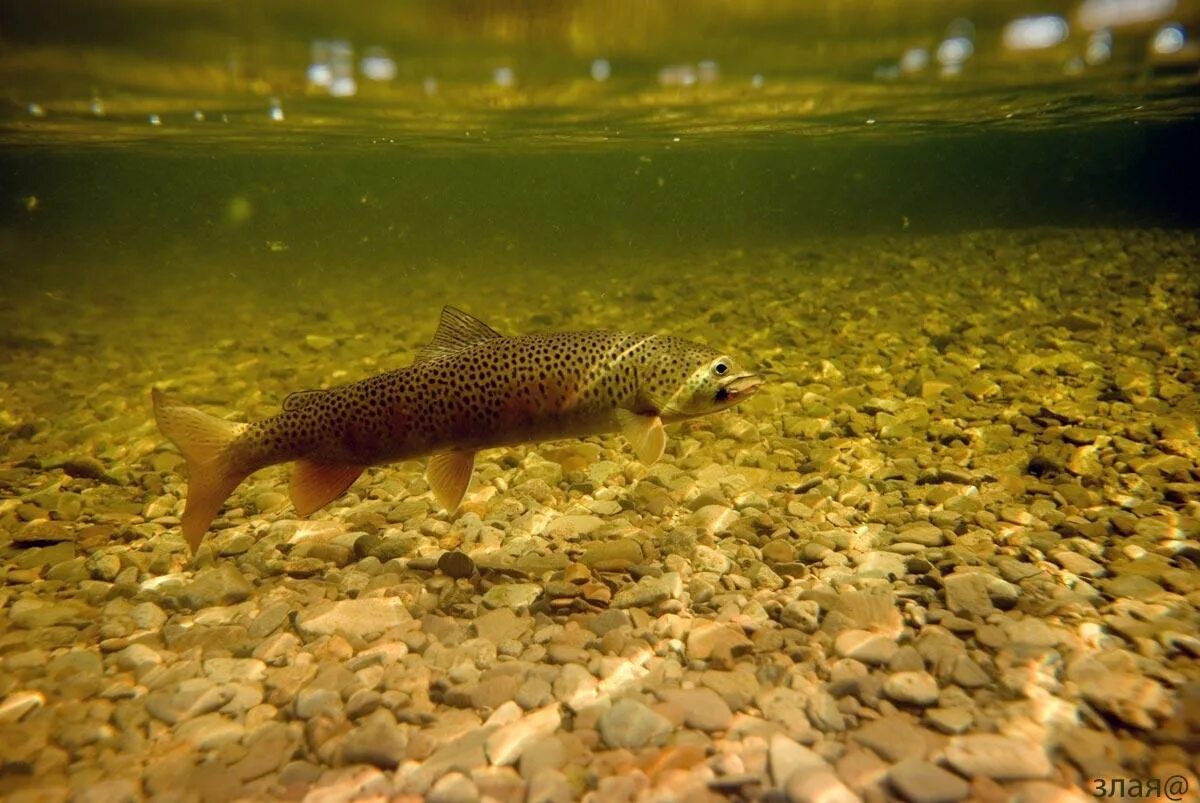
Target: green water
137 141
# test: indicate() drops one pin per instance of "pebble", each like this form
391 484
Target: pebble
862 645
914 688
1002 758
378 740
921 782
632 725
221 585
649 591
455 564
353 618
610 556
515 596
709 641
506 745
703 708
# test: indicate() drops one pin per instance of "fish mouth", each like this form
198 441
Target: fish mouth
739 387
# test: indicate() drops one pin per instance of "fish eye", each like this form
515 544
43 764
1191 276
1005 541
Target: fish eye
721 368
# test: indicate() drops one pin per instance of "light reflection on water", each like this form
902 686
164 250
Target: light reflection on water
589 72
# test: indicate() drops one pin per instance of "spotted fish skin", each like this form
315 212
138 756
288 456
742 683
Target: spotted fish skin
470 389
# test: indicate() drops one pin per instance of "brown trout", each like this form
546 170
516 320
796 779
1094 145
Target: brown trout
471 388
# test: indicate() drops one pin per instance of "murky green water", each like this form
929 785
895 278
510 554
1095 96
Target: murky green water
573 133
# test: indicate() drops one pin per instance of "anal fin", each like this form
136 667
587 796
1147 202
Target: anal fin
314 485
645 434
449 474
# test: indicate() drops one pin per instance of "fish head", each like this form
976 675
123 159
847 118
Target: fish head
684 380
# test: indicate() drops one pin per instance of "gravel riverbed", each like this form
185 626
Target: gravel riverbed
949 552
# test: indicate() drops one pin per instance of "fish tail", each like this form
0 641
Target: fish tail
213 474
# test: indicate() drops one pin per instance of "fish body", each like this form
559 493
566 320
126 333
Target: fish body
471 388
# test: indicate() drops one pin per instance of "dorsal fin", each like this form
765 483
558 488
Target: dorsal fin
300 399
456 331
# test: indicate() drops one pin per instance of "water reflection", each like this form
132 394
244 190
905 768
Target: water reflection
1168 39
812 68
1096 14
1036 33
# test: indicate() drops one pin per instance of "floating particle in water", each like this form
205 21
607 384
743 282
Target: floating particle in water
31 203
154 119
1035 32
1099 47
239 209
276 110
430 85
758 81
707 71
504 77
35 110
277 246
96 107
1096 14
198 116
1074 66
377 65
954 51
914 60
677 75
320 67
1168 39
601 70
344 86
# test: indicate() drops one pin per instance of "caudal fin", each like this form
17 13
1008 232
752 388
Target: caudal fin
212 476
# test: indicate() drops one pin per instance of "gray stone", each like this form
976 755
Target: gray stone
612 555
954 719
378 740
863 645
516 596
967 594
823 711
818 786
802 614
894 738
708 640
506 745
921 782
923 533
35 614
649 591
502 625
786 757
453 788
632 725
568 528
1002 758
222 585
549 785
703 708
914 688
353 618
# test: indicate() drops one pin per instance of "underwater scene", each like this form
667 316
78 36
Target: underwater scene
609 401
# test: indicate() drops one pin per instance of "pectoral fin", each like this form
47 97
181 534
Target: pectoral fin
645 434
314 485
449 475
